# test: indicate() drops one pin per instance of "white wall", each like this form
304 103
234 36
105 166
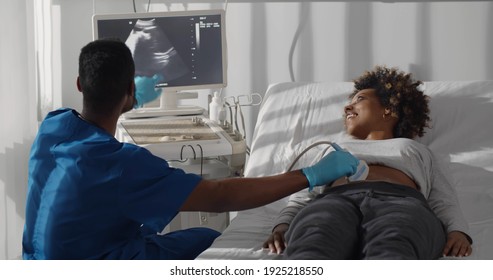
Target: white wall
336 42
17 120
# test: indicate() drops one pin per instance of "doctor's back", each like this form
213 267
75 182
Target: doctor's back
89 194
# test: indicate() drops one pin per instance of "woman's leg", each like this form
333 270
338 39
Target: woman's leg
327 228
399 228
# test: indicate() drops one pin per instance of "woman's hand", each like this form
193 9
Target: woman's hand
276 242
457 245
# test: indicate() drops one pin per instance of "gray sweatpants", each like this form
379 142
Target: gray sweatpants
367 220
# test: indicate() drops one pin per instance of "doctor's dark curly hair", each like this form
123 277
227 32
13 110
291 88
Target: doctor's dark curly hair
398 91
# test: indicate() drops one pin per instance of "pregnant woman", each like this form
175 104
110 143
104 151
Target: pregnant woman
406 208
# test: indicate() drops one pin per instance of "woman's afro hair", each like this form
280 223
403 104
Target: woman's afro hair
398 91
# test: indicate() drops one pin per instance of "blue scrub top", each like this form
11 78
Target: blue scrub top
89 194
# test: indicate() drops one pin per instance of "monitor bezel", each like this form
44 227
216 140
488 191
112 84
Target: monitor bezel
148 15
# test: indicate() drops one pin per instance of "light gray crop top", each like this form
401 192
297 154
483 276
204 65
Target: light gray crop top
410 157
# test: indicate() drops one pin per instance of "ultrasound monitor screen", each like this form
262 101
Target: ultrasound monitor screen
187 49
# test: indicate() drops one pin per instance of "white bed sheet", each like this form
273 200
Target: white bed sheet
295 115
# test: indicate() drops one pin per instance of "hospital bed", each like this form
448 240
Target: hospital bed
294 115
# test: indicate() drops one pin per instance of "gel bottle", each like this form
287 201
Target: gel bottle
216 109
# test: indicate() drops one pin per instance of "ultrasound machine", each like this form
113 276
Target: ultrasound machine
188 50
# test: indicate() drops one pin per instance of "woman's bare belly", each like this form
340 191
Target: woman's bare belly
383 173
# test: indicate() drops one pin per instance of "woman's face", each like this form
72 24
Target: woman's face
366 118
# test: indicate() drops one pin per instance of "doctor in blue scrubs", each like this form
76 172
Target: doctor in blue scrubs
93 197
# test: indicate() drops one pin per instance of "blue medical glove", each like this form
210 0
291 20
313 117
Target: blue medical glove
331 167
145 90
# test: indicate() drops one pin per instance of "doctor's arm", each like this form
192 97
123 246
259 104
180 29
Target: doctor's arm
235 194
